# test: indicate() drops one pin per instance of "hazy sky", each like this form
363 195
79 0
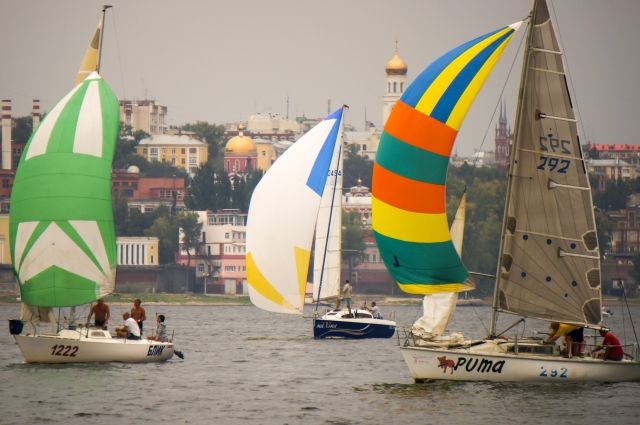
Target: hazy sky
222 60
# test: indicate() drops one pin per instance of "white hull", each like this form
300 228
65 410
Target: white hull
484 362
79 347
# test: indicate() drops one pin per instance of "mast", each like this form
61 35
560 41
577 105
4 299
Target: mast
104 12
511 170
333 196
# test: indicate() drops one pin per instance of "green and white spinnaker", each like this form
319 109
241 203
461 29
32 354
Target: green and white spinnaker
63 241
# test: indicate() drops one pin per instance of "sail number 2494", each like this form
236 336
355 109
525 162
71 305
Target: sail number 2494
64 350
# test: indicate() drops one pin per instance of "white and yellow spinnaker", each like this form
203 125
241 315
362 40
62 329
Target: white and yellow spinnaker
282 218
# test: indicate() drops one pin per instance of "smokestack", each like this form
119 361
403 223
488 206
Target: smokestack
35 114
6 134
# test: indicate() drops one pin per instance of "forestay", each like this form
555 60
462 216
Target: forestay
550 265
62 234
282 218
408 190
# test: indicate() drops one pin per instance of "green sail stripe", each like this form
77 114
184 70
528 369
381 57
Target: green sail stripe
411 162
37 232
416 263
75 236
56 287
64 131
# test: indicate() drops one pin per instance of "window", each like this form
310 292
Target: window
183 151
193 150
226 235
364 147
201 268
394 86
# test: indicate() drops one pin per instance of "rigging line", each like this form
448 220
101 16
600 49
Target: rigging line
504 86
624 294
567 74
115 32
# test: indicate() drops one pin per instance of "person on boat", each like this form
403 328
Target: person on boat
161 330
130 330
575 342
138 313
347 290
610 345
561 330
375 311
101 314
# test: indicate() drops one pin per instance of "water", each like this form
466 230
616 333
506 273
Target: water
246 366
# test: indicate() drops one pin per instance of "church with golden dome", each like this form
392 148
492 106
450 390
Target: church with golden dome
240 155
396 70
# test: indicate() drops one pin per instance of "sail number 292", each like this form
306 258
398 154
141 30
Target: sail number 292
553 164
554 373
64 350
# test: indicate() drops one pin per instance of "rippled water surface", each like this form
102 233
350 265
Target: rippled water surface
246 366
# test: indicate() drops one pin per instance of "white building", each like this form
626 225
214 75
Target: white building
220 258
137 251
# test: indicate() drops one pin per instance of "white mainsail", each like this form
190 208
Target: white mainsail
282 218
327 257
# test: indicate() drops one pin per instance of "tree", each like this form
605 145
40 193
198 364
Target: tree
201 194
353 245
356 167
191 229
165 228
212 134
603 230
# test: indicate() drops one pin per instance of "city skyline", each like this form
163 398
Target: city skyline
221 61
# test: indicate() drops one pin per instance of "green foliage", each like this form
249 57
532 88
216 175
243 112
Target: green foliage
162 169
353 234
603 230
212 134
21 129
356 167
165 228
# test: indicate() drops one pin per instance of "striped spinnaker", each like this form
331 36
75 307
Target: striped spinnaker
61 223
409 174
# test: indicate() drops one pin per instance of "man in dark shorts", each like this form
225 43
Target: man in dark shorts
102 314
575 342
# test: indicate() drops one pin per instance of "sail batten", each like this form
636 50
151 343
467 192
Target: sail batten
408 192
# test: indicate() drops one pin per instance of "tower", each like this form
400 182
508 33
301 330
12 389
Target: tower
503 139
396 70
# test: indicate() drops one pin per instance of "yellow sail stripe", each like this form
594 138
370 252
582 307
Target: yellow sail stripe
466 99
408 226
89 62
425 289
302 268
256 279
432 95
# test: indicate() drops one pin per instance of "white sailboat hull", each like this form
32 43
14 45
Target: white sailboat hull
483 363
77 347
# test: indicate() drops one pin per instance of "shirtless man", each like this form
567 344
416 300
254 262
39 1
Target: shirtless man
102 314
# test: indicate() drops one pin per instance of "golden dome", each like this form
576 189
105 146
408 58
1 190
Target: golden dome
396 66
240 144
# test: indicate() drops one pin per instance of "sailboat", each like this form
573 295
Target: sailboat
63 242
301 194
548 263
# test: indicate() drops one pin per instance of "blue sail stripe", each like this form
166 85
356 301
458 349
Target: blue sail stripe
318 176
414 92
450 97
